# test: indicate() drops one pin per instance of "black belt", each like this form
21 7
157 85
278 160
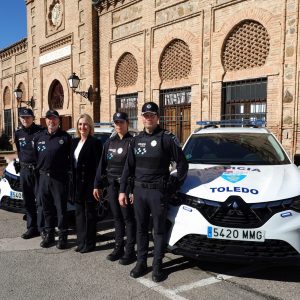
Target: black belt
27 165
52 174
149 185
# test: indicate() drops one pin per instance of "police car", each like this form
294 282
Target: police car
240 200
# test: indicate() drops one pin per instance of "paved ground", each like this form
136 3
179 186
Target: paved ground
29 272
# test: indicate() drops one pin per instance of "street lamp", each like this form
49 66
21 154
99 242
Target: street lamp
74 82
18 94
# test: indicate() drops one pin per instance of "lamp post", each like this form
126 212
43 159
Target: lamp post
74 82
18 94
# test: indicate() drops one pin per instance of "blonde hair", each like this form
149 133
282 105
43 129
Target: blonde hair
89 120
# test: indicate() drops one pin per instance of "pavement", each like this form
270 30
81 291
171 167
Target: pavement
30 272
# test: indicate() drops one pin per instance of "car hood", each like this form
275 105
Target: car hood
11 169
252 183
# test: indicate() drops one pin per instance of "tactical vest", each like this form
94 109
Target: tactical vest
116 156
151 157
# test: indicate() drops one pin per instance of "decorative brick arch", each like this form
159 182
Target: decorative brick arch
126 72
7 98
271 25
246 47
176 61
47 88
117 55
158 49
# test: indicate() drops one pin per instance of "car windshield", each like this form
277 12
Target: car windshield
235 148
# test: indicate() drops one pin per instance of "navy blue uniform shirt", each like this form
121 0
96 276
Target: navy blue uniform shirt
113 159
23 140
53 151
150 155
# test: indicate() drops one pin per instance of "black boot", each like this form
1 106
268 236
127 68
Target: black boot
62 242
139 270
48 240
158 274
30 233
117 253
128 258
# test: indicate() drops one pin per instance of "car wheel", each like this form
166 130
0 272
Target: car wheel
103 207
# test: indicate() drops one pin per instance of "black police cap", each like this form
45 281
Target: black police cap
52 113
150 107
120 116
26 112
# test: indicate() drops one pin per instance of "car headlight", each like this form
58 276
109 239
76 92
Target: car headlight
180 198
296 204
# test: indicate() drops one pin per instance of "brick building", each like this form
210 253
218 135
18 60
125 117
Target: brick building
198 59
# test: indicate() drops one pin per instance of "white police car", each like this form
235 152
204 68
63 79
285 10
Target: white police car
240 200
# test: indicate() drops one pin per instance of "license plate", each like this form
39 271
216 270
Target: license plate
237 234
16 195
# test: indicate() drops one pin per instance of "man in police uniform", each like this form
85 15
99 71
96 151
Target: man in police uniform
53 148
148 162
28 178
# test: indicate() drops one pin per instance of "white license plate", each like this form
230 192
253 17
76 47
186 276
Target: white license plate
16 195
237 234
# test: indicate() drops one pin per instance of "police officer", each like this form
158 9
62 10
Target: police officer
111 167
148 161
28 178
53 148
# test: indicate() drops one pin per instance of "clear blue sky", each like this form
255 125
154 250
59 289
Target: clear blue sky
12 22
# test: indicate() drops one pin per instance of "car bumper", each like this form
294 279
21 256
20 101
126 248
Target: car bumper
188 236
8 203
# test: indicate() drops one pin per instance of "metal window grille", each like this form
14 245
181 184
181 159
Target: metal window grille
245 99
7 123
128 103
175 111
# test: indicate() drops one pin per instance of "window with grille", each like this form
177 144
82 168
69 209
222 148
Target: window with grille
7 123
128 103
245 99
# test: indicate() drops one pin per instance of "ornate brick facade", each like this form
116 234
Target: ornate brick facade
149 48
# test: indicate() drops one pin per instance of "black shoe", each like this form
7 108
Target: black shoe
43 234
78 248
62 242
127 259
139 270
87 249
29 234
116 254
48 241
157 273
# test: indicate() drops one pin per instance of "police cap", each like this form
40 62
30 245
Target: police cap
120 116
26 112
150 107
52 113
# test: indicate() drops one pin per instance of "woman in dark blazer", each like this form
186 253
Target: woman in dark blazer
86 153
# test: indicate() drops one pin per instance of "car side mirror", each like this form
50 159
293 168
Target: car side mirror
297 160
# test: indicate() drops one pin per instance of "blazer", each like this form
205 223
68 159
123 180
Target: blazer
85 171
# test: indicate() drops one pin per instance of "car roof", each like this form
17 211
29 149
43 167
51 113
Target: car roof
262 130
98 129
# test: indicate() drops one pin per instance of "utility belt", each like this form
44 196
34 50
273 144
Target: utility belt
114 181
150 185
27 165
53 174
